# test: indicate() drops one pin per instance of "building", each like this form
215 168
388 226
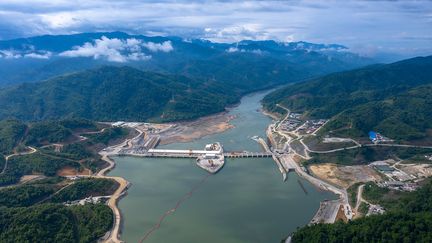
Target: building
210 156
373 136
383 168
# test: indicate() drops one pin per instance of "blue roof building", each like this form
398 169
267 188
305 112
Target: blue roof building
373 136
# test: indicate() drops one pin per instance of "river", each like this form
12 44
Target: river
247 201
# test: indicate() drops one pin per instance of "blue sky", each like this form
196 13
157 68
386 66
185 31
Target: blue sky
366 27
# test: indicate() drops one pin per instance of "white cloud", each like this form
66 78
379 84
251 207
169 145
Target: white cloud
45 55
238 33
113 50
60 20
232 49
31 53
165 46
10 54
376 23
254 51
257 51
138 56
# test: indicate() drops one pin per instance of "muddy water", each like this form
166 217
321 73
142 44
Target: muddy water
172 200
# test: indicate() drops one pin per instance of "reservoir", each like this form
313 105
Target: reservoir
173 200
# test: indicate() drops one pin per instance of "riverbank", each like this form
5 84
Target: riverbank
328 209
178 133
159 183
184 132
272 115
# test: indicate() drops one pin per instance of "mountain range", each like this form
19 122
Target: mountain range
42 57
394 99
114 93
116 76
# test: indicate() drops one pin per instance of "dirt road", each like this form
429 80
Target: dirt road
32 150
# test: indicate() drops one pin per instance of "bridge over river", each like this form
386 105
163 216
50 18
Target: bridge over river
143 151
175 153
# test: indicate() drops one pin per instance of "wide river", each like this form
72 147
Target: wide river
247 201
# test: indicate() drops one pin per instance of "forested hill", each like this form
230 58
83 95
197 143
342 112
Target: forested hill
395 99
408 220
115 93
166 78
192 89
39 58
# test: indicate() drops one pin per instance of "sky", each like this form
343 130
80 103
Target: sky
366 27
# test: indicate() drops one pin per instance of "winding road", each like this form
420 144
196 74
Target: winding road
32 150
123 185
288 160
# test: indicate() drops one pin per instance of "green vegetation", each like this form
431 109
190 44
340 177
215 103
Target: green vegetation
409 220
47 180
363 208
33 164
47 161
116 93
108 134
189 85
374 193
95 164
25 195
93 221
2 162
271 61
365 155
393 99
30 193
352 193
84 188
11 132
75 151
55 223
78 124
47 132
382 196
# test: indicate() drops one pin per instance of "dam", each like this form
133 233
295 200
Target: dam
245 202
211 159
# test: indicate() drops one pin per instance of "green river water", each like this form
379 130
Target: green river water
247 201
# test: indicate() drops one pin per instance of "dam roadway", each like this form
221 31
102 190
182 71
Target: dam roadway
191 153
176 153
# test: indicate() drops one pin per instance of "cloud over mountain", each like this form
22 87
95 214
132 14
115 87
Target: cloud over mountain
114 50
15 54
165 46
382 26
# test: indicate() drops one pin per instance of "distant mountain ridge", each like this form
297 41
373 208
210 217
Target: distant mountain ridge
395 99
42 57
60 43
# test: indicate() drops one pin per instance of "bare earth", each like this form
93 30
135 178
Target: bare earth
27 178
341 215
189 131
69 171
274 116
344 176
419 170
